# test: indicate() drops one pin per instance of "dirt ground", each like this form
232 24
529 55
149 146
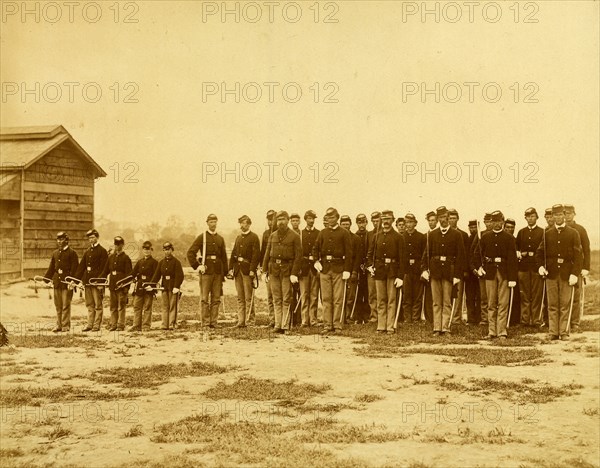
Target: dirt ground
437 424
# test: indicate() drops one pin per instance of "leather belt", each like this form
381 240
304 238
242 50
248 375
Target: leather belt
279 261
331 258
386 260
443 258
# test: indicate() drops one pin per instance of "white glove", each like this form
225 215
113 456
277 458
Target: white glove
202 269
371 270
519 255
572 280
318 266
481 272
293 279
425 275
455 281
398 282
346 275
585 273
542 271
175 290
148 288
512 284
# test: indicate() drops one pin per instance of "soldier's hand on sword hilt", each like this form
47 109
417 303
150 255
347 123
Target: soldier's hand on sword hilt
202 269
512 284
371 271
455 281
345 275
293 279
425 275
318 266
229 275
481 272
543 272
398 283
585 273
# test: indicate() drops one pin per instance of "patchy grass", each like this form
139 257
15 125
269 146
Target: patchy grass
11 453
303 407
58 432
484 356
56 341
154 375
134 431
367 397
249 388
591 411
590 325
464 436
180 461
526 391
36 396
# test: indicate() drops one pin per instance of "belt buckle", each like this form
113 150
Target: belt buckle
442 258
560 260
411 261
114 272
530 254
278 260
143 277
498 259
328 257
240 259
310 257
388 260
60 271
167 277
89 268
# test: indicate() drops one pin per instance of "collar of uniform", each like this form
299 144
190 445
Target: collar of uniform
531 228
562 226
94 245
245 233
385 232
498 232
212 233
444 230
334 227
309 229
65 248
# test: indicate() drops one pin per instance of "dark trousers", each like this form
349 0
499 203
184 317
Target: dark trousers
412 297
93 302
62 303
118 303
169 309
142 310
473 298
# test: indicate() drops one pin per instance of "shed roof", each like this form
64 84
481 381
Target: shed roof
20 147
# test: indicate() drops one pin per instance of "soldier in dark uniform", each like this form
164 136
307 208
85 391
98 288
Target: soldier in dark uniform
432 221
500 271
414 243
308 276
515 317
559 258
63 263
472 292
117 267
548 217
443 265
385 262
549 224
170 274
333 260
263 249
453 218
242 267
212 269
476 263
143 272
530 283
585 271
362 310
295 307
371 235
281 265
357 258
91 266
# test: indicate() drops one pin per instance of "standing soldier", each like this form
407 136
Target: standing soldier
281 265
559 258
63 263
385 262
294 306
170 274
500 271
357 257
549 218
414 243
530 283
117 268
242 267
309 277
476 263
472 292
515 317
362 311
208 252
432 221
91 266
263 249
142 300
585 246
443 265
458 309
401 226
333 260
376 220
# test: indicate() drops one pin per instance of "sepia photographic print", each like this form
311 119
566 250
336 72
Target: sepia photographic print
349 233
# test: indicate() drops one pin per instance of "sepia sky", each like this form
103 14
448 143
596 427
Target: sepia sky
364 142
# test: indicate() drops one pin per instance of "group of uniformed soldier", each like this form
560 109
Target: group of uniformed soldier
384 275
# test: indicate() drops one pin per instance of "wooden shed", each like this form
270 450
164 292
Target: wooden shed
46 185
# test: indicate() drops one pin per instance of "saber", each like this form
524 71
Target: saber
582 298
294 312
45 282
344 302
355 299
541 315
451 313
177 297
570 309
398 307
153 286
510 304
98 282
423 304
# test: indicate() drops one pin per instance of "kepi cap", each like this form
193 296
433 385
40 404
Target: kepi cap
147 245
497 216
510 222
168 246
441 211
411 217
558 208
375 215
92 232
62 235
211 217
530 211
294 216
270 214
361 217
310 214
332 212
282 214
243 218
472 223
119 241
345 219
